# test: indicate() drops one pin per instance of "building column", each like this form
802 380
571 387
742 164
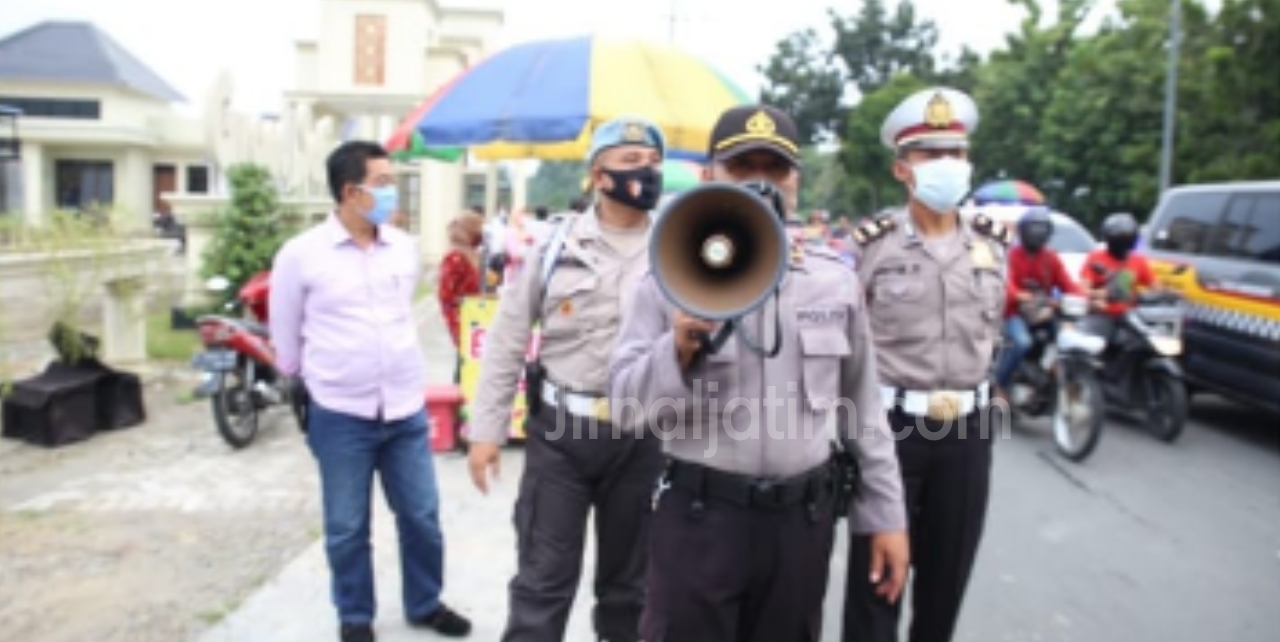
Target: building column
519 187
34 186
124 322
440 199
491 189
133 201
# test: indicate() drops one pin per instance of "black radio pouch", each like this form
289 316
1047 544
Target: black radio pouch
846 476
534 375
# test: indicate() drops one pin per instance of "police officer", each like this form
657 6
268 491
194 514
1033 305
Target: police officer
935 290
741 538
573 286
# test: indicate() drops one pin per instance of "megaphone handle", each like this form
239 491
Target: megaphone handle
711 345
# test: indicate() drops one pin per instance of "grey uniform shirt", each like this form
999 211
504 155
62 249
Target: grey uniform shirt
936 306
742 413
596 271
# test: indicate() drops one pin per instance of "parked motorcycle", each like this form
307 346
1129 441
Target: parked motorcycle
240 378
1058 376
1140 374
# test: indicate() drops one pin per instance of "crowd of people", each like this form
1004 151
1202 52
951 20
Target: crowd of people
713 521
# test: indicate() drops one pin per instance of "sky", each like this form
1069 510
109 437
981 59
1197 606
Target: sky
190 43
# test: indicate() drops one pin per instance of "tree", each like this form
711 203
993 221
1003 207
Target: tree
1101 132
867 162
557 183
804 81
249 233
1014 90
876 47
870 48
824 185
1235 131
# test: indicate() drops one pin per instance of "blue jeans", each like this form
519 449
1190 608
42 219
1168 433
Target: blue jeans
349 449
1018 336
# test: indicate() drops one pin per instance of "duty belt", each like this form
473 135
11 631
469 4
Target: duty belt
745 491
576 403
940 405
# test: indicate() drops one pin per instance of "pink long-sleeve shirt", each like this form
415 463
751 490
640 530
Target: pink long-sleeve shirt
341 316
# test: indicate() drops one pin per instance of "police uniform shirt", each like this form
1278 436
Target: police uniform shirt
581 312
782 428
935 306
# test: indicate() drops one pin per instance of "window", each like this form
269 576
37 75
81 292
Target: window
1261 239
371 50
75 109
84 186
1186 221
197 179
1224 239
1069 237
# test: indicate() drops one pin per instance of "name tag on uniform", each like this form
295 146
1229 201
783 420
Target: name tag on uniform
821 316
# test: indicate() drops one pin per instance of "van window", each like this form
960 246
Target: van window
1261 240
1187 220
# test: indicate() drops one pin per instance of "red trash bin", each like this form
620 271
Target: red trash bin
442 400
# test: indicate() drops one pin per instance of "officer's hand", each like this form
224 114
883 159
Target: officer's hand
1024 296
481 459
685 330
892 553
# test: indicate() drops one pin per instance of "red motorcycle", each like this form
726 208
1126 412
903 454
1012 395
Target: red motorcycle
240 377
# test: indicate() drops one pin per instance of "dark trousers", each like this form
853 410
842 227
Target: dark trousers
725 573
946 478
566 477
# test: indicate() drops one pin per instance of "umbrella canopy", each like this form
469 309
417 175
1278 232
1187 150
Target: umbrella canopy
1008 192
406 143
542 99
680 175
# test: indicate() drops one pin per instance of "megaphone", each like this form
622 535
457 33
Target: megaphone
719 250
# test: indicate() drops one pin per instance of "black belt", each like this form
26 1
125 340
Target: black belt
749 492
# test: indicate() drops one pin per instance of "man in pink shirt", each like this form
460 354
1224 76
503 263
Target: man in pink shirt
342 319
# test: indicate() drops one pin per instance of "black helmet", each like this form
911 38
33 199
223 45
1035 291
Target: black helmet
1120 232
1034 229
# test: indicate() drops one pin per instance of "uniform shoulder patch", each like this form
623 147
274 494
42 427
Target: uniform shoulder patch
873 229
984 225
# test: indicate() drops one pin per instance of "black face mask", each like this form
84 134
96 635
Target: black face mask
1120 248
639 188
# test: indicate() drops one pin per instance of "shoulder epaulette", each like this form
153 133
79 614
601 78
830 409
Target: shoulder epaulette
873 229
984 225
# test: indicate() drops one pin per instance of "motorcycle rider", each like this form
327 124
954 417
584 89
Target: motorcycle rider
1116 274
1033 268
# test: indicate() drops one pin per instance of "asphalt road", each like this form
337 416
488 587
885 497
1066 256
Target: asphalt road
1144 541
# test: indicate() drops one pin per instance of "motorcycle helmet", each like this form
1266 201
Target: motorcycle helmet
1034 229
1120 233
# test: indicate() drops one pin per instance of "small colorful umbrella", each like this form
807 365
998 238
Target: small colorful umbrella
1008 192
680 175
542 99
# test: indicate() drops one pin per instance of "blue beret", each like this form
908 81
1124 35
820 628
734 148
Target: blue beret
628 130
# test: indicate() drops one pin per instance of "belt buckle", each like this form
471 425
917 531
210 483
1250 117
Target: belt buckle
766 493
943 405
600 408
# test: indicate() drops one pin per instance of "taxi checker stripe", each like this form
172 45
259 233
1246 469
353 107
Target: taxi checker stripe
1237 321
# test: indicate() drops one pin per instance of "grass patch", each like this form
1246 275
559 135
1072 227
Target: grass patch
166 344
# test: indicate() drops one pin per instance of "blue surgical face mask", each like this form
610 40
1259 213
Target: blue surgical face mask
385 201
941 183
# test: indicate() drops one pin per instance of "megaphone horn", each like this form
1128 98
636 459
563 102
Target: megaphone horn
719 250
